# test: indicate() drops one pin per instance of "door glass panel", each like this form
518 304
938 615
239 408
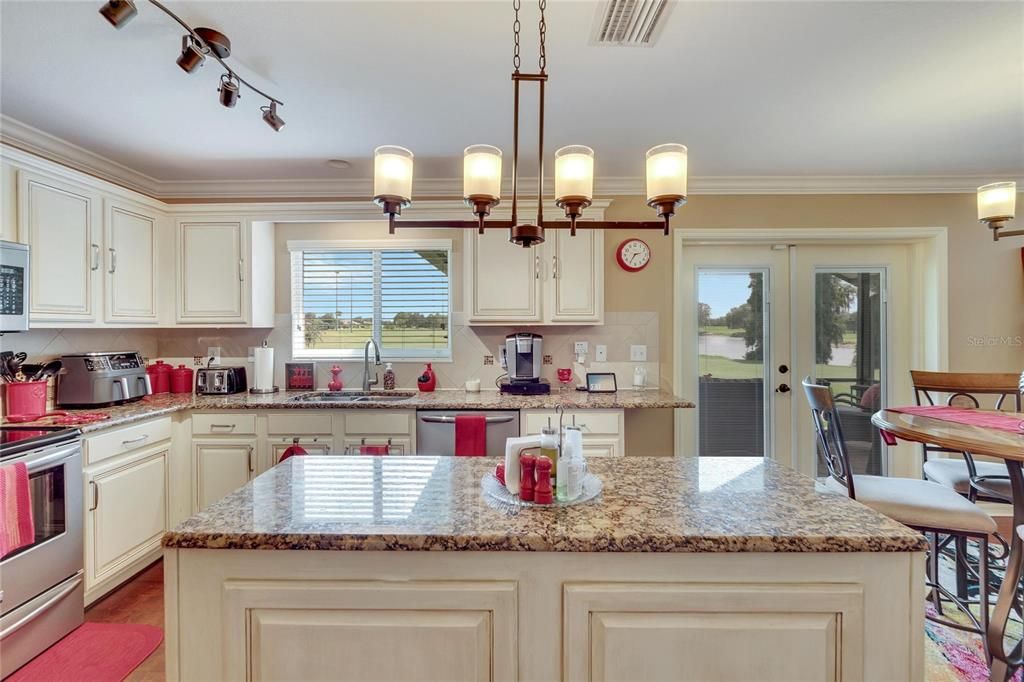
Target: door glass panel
848 349
732 347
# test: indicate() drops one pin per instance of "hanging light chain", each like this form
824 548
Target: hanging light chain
516 26
543 30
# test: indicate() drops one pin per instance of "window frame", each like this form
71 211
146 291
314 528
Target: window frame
340 354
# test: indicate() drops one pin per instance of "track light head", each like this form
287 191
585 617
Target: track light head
118 12
228 90
191 57
271 117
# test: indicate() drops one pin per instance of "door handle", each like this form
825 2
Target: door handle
95 256
783 388
251 467
95 496
554 267
536 267
113 261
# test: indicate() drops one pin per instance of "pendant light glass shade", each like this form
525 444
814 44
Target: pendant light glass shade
481 173
392 173
574 173
997 201
666 173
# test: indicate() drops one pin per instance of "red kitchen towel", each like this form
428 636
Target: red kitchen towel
374 450
292 451
16 526
470 435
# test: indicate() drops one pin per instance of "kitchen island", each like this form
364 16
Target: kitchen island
393 568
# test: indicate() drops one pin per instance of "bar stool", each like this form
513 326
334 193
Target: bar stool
925 506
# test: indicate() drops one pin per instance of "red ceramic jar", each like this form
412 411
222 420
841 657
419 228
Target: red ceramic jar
159 377
181 379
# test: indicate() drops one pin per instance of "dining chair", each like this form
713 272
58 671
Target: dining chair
928 507
977 480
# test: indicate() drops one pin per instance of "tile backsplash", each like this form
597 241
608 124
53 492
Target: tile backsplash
470 348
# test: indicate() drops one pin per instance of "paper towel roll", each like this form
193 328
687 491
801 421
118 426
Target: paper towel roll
264 369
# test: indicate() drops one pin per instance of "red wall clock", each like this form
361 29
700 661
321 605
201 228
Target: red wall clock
633 255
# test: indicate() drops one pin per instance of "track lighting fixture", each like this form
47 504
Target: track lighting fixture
271 117
191 57
228 90
118 12
196 45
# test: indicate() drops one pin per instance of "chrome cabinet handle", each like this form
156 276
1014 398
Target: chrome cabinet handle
95 496
230 427
113 261
131 441
241 270
95 256
451 420
554 267
251 467
536 267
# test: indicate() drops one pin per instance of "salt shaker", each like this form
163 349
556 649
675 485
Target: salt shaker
526 466
542 493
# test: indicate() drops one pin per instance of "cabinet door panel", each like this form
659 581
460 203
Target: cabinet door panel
129 514
58 220
211 272
576 287
312 446
503 280
131 265
221 467
397 445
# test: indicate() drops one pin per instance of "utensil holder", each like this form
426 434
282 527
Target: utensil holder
26 398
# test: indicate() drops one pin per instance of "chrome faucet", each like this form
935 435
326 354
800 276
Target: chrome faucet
367 381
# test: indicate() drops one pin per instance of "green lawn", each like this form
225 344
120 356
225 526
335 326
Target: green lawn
721 330
349 339
725 368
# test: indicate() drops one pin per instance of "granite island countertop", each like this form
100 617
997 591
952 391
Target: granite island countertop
166 403
435 503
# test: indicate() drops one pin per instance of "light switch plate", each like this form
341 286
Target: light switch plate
580 347
638 353
600 353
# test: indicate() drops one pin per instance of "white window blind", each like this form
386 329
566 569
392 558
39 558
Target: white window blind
342 296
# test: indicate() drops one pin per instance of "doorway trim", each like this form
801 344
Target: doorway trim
929 294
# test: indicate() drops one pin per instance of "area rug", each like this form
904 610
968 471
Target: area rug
951 655
94 652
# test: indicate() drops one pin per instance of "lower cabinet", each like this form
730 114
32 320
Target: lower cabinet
396 445
220 466
313 445
604 433
126 515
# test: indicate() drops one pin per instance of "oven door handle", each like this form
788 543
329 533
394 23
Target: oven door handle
46 462
429 419
41 609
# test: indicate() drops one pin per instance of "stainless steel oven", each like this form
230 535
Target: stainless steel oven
42 592
14 287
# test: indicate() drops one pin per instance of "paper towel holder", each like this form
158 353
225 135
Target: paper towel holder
272 389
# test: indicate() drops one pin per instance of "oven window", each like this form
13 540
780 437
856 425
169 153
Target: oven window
48 506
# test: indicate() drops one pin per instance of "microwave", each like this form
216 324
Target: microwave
14 282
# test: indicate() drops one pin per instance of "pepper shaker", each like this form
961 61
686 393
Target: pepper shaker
526 466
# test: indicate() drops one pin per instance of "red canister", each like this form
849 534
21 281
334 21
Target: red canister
159 376
181 379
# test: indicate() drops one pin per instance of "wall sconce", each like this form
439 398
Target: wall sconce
997 203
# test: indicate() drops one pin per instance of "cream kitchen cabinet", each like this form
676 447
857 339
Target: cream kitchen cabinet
130 247
558 282
604 433
225 268
127 509
393 428
60 220
220 466
313 445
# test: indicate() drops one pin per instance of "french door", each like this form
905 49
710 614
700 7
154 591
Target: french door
756 319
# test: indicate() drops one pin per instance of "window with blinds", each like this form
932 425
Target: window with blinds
344 295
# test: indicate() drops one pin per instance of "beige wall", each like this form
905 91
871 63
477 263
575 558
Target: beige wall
986 278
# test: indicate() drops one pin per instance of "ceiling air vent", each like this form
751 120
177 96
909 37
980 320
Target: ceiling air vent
633 23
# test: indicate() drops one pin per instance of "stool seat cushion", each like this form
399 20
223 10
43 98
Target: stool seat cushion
952 473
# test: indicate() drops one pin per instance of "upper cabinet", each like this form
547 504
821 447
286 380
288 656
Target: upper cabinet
218 260
559 282
61 223
131 240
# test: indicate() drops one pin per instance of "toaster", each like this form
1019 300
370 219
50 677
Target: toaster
220 380
101 379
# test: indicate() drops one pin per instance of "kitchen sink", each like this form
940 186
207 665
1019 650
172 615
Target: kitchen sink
351 397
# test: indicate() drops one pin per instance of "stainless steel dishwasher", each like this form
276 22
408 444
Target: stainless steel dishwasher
435 430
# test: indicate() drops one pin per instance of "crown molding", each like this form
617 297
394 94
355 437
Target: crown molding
18 135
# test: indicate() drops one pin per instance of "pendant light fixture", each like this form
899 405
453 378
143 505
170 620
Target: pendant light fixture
574 173
997 203
196 45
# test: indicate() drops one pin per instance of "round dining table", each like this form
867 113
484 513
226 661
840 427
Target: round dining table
992 442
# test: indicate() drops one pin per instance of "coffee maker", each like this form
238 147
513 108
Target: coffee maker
522 357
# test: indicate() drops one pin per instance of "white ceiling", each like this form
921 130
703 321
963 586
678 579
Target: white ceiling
753 88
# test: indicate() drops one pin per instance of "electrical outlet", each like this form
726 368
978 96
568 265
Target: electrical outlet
638 353
580 347
213 352
600 353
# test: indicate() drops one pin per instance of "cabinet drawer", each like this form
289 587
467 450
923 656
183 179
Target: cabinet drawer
296 424
223 424
600 422
601 447
119 441
377 422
